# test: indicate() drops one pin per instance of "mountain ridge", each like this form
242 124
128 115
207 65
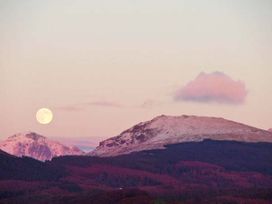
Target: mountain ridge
163 130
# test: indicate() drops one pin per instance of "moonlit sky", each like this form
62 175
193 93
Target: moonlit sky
103 66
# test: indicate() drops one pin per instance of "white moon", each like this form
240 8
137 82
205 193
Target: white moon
44 116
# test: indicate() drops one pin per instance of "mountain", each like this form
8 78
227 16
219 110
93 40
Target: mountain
164 130
197 169
270 130
33 145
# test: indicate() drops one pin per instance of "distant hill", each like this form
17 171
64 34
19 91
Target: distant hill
36 146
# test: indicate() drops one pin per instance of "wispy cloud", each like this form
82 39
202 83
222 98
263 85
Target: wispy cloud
70 108
83 106
213 87
104 104
147 104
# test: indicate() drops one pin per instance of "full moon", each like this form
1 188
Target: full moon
44 116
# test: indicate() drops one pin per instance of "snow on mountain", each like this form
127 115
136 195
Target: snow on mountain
36 146
163 130
270 130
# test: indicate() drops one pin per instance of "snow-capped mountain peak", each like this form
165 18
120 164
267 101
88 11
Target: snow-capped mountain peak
163 130
36 146
26 135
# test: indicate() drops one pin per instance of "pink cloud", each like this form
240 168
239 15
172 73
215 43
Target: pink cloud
213 87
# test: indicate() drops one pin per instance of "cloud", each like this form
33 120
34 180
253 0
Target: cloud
83 106
105 104
70 108
213 87
148 104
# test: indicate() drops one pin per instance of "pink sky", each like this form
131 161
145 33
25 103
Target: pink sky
104 66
